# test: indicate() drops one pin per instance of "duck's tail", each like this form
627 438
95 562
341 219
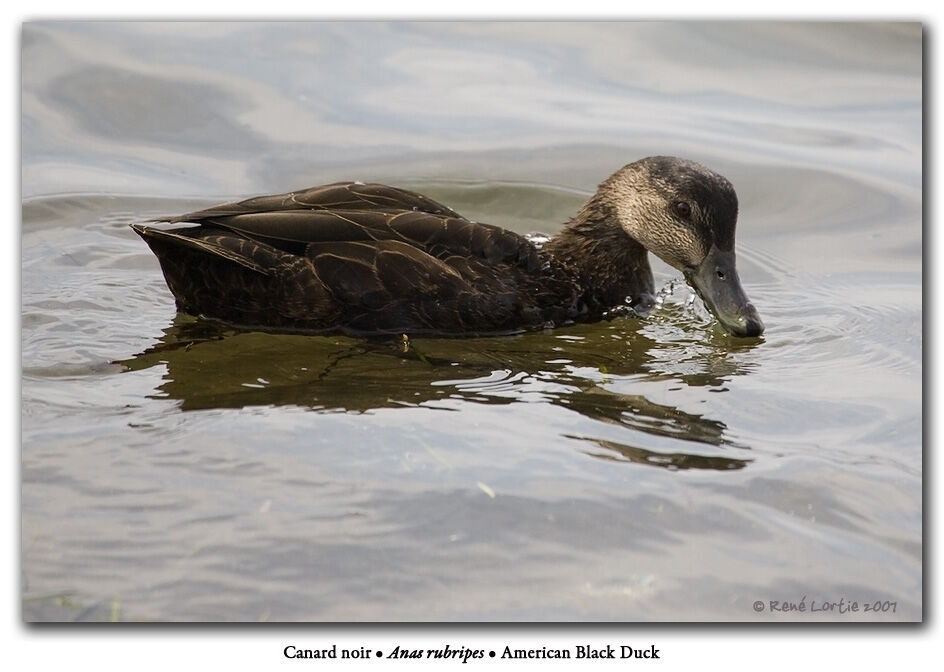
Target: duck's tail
163 241
220 274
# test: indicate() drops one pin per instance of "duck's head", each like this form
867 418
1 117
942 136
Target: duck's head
686 214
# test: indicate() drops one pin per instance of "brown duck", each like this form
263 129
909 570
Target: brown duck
373 259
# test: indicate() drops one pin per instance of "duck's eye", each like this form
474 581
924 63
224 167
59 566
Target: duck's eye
682 209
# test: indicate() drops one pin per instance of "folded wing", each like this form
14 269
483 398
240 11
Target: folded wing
365 258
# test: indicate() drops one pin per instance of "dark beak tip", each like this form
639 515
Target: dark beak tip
750 323
742 326
754 329
750 328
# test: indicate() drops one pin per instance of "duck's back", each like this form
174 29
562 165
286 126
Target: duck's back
363 258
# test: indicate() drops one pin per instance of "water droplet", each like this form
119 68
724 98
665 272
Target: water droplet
537 238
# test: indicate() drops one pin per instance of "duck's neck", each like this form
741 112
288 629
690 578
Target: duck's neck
609 265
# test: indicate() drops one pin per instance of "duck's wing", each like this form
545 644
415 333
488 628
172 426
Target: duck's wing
281 262
339 196
389 286
440 236
419 273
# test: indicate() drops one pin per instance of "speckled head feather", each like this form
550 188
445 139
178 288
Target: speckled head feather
677 209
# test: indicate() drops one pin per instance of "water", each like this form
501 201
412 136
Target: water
651 469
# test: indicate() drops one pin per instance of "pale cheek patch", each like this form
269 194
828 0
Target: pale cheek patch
677 246
674 243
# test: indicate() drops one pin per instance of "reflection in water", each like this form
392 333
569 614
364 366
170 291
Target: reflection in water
666 460
210 365
639 413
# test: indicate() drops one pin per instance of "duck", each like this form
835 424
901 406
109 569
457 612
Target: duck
371 260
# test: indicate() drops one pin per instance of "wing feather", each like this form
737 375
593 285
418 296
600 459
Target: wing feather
337 196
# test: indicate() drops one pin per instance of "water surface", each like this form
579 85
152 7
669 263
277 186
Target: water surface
635 469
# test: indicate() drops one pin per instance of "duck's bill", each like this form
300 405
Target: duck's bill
717 283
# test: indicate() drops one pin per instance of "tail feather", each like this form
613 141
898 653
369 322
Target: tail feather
152 235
